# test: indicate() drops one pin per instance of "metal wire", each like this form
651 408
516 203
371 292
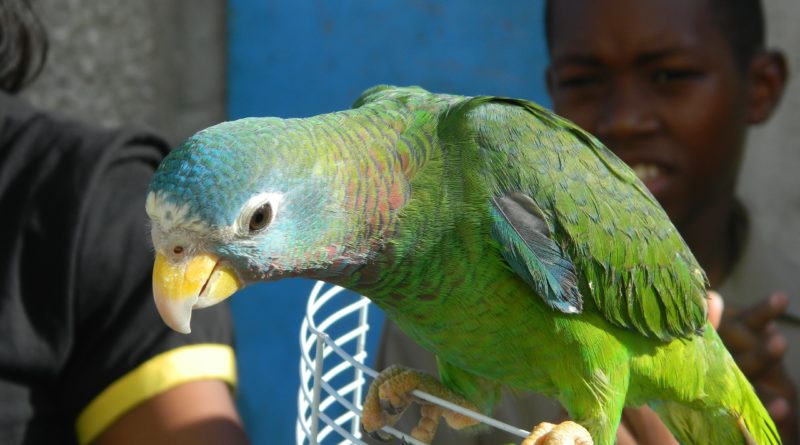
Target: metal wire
312 406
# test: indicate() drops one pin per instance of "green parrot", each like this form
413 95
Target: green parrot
499 236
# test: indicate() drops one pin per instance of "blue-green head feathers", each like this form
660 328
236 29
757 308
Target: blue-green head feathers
214 169
216 188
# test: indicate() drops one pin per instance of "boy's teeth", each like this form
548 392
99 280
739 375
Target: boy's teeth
646 172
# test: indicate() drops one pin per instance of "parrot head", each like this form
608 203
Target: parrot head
237 203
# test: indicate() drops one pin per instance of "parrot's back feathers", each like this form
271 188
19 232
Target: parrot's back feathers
568 176
519 227
370 94
613 163
381 92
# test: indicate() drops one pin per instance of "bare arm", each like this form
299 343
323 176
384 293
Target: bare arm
197 413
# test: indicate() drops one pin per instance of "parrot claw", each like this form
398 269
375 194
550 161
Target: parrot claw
380 435
390 409
379 410
565 433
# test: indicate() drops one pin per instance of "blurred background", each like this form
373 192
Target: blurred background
181 65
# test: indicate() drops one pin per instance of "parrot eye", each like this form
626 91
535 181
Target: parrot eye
257 213
261 217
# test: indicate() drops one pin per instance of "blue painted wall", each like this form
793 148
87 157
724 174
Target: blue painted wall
300 58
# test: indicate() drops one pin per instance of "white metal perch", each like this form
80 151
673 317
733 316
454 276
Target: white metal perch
332 372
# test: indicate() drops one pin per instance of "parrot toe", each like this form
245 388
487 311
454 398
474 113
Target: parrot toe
379 411
391 409
565 433
377 434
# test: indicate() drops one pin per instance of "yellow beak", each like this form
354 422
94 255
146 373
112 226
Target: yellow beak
180 287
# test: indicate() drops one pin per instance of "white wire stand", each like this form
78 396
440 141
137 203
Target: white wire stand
332 372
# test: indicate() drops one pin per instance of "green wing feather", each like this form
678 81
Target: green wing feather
519 226
628 255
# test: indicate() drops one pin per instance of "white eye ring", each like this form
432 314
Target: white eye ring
261 201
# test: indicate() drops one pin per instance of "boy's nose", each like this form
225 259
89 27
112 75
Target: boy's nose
626 112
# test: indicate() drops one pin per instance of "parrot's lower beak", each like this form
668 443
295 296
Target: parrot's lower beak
180 287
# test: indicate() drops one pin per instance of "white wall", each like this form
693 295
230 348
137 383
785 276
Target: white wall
153 62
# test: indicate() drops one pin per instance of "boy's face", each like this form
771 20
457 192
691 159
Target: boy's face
657 82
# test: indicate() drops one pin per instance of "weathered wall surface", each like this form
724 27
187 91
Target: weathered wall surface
770 178
158 63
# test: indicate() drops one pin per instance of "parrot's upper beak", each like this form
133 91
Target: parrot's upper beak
180 287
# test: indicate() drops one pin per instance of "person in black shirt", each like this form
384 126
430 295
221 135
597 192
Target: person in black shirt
84 356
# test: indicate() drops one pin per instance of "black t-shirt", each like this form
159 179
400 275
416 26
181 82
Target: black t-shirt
77 317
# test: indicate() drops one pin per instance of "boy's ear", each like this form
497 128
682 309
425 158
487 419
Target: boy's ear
768 75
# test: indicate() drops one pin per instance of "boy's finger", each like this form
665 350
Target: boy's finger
755 363
778 408
715 308
764 357
759 315
737 337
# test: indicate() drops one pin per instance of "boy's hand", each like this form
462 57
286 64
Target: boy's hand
751 335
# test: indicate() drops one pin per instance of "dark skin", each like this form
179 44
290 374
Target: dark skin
199 412
658 82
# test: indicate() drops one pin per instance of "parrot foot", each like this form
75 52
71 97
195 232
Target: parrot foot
390 394
565 433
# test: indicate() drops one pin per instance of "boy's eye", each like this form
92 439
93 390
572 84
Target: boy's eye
664 77
578 81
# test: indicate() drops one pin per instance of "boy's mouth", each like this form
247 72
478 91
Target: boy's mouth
652 175
646 172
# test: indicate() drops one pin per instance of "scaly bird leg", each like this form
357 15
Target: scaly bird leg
390 394
565 433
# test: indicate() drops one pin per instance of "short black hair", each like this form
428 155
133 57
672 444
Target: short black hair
23 45
741 22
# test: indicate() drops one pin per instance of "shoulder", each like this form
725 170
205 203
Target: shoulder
46 155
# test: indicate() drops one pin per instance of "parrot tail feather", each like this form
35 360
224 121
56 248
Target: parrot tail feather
743 420
756 425
753 420
748 438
